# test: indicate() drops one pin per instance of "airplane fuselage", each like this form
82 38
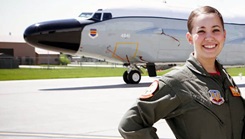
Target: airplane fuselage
138 39
154 37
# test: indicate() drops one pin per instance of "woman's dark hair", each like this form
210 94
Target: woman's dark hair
203 10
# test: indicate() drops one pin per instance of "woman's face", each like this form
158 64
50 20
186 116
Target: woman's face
207 36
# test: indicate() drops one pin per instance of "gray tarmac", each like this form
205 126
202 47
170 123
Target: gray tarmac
84 108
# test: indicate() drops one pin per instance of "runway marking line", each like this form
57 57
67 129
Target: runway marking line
53 135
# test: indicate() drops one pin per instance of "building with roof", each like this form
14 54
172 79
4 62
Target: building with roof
28 55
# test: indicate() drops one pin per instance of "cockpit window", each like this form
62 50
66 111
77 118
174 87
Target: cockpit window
97 16
100 16
107 16
85 14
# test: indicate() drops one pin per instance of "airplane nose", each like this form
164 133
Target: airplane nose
58 35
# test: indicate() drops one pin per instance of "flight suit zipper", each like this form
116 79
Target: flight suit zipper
199 101
225 93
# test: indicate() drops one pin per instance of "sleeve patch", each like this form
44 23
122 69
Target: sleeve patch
150 90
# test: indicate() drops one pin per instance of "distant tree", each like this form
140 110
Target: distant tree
64 60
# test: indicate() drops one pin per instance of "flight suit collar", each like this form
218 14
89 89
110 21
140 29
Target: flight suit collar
193 64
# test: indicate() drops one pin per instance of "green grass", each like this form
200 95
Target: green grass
56 73
25 73
79 72
236 71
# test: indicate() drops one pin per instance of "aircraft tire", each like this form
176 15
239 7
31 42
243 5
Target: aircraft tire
125 77
134 77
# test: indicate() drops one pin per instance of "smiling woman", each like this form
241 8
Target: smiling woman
207 34
198 100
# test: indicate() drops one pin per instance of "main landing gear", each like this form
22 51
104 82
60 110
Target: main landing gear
132 75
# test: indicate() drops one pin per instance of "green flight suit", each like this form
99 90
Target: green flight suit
195 105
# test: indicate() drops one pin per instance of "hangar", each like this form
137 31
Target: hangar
28 55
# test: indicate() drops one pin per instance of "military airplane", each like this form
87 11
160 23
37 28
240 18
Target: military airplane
133 36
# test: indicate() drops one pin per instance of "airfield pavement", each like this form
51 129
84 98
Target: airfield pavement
84 108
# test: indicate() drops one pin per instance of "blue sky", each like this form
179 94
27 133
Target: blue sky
16 15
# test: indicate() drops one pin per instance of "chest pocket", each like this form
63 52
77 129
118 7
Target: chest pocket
207 106
208 97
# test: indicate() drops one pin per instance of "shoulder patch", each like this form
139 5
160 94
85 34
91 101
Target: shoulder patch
150 90
235 91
